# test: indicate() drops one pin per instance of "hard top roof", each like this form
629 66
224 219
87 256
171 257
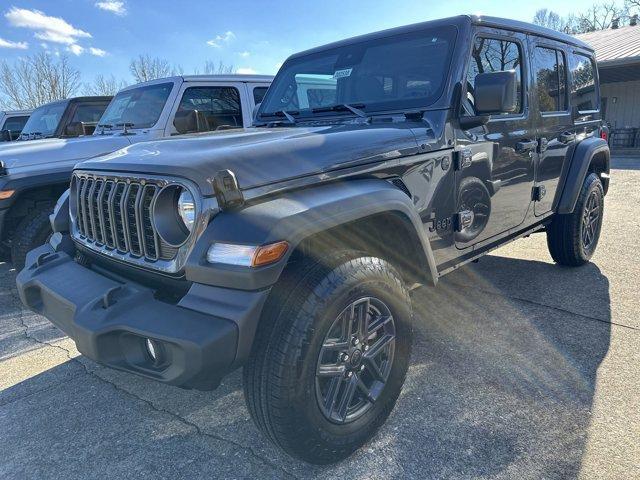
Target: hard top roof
459 20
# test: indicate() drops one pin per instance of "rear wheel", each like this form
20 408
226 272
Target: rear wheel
330 357
572 239
32 231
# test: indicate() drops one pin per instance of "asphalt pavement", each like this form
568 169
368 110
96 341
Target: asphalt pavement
520 369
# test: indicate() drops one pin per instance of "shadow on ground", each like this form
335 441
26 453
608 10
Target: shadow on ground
501 385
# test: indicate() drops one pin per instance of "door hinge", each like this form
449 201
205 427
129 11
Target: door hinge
462 158
462 220
538 192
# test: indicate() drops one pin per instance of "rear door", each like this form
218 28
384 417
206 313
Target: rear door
552 115
255 94
495 181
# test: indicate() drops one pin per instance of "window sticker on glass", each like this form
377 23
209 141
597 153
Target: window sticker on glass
345 72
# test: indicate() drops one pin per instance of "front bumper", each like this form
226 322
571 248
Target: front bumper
201 338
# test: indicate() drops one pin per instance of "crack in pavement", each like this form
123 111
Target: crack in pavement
154 407
553 307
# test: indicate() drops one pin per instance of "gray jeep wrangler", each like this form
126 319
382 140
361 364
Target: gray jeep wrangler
289 248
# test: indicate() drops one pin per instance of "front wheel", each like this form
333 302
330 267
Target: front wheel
34 230
330 357
572 238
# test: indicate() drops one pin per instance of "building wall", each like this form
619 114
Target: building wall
625 112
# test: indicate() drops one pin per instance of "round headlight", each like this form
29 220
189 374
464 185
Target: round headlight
187 209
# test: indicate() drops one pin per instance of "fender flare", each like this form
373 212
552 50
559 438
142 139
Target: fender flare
577 172
294 216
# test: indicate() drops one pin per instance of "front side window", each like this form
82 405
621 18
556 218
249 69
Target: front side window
551 78
215 107
584 91
140 106
397 72
15 124
494 55
88 113
44 120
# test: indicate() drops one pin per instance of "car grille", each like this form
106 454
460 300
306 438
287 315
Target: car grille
114 213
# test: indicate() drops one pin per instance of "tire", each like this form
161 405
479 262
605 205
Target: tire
296 340
32 231
570 239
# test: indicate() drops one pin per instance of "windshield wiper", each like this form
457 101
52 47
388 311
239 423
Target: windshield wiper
288 115
355 109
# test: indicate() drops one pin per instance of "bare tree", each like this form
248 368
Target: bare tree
37 79
211 67
145 68
550 19
600 17
102 85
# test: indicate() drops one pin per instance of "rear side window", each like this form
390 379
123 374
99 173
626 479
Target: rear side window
551 79
584 91
215 106
15 124
89 113
494 55
258 94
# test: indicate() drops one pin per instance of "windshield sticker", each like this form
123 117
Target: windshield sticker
346 72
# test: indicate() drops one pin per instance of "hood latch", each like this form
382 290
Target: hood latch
227 190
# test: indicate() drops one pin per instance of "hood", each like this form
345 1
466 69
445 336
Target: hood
17 155
261 156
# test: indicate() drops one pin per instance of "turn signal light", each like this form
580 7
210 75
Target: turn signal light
246 255
4 194
269 253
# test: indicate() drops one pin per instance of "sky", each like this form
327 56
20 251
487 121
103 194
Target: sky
255 36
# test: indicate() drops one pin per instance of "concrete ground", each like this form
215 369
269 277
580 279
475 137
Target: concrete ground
520 369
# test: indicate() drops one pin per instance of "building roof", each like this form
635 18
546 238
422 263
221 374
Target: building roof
615 46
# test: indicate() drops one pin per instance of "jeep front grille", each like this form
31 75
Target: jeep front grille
114 213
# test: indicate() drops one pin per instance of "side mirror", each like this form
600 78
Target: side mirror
190 121
74 129
5 136
496 92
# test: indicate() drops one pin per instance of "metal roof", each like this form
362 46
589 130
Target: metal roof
615 46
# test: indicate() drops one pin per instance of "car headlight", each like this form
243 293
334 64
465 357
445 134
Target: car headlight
174 214
187 208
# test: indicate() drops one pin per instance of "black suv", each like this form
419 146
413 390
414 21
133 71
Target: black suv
375 164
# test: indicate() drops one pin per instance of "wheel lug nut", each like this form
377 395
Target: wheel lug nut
349 374
361 367
356 342
366 347
345 357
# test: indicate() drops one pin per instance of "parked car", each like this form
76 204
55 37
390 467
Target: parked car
35 175
63 119
290 247
12 123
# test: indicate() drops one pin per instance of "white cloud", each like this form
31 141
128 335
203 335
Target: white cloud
118 8
50 29
17 45
246 71
244 54
98 52
75 49
220 40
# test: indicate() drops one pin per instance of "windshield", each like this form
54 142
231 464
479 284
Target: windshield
44 121
140 106
396 72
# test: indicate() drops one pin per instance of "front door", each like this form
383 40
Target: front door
495 169
552 115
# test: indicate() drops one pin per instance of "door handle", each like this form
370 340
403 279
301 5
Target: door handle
526 146
567 137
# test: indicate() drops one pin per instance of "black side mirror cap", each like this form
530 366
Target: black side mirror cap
74 129
495 92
